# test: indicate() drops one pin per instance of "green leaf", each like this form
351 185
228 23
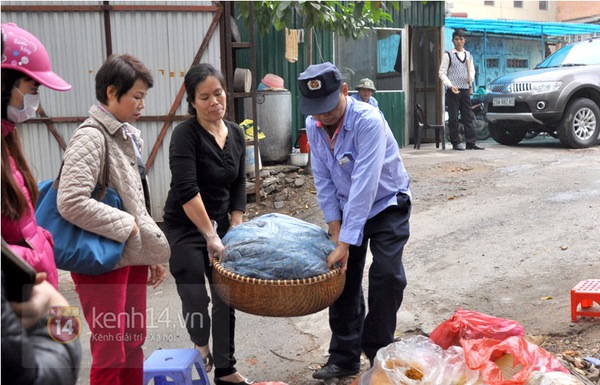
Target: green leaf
349 19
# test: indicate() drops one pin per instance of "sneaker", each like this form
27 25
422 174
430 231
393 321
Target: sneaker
474 147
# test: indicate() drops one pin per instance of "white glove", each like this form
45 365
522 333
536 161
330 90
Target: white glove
214 245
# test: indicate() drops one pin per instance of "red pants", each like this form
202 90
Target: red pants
114 305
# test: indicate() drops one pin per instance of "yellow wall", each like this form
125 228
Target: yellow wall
503 9
574 10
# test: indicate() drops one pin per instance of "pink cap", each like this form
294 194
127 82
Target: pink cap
25 53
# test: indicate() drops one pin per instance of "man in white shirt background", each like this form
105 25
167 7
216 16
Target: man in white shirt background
457 72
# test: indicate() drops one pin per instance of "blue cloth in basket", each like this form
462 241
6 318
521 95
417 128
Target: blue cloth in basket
277 246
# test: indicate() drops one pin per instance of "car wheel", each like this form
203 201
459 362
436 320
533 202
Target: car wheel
504 136
580 125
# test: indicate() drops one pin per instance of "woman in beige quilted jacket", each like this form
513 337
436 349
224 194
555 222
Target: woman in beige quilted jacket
114 303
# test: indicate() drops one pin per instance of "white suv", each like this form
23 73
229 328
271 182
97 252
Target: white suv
561 96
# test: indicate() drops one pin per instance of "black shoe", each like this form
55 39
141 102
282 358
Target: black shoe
474 147
332 371
458 147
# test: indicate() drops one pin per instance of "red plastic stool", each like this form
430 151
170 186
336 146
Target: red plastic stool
585 293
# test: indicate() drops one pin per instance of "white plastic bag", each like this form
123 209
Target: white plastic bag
455 370
416 360
552 378
411 361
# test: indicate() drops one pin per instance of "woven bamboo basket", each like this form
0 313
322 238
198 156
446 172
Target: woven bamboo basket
276 297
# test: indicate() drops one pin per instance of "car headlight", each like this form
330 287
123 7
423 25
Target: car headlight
545 86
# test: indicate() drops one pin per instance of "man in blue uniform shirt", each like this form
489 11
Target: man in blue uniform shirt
363 191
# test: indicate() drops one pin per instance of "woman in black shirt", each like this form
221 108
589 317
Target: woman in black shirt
206 199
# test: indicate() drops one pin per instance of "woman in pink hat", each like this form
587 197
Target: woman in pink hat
25 66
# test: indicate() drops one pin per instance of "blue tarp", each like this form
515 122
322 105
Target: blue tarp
522 27
277 246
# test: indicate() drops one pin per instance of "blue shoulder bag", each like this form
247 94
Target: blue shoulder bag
76 249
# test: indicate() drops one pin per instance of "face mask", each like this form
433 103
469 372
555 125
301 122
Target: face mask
31 102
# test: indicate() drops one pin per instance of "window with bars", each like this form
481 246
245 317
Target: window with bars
490 3
543 6
492 62
518 4
517 63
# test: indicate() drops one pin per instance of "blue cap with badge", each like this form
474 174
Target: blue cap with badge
319 85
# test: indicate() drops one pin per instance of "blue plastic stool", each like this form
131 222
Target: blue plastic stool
176 364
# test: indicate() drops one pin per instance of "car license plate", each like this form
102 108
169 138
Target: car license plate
503 102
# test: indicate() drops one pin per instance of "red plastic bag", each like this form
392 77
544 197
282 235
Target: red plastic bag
479 353
467 325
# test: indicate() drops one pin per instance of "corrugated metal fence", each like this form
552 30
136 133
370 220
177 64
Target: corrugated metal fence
166 36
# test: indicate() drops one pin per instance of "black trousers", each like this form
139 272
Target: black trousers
189 265
460 102
352 331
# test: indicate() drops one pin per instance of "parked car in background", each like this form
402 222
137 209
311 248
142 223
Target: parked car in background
561 96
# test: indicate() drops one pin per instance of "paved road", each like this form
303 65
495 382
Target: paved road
507 231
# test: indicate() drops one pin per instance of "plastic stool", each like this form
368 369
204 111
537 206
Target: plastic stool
585 293
176 364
